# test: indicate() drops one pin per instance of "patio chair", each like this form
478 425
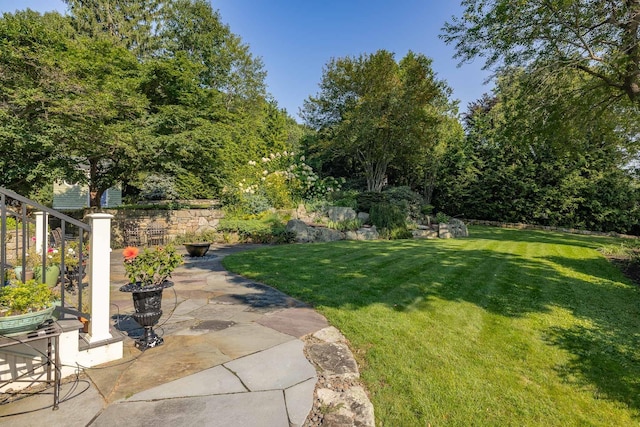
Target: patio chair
56 237
132 235
156 234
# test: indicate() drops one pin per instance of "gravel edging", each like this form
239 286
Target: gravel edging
340 399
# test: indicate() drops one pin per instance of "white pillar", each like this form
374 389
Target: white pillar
42 219
99 276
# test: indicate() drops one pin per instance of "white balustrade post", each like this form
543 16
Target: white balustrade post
100 276
42 220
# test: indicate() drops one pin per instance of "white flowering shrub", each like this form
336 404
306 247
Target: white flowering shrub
280 179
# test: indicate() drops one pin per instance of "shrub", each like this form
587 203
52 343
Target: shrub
409 200
11 223
255 203
347 199
268 229
387 216
284 179
426 209
158 187
279 192
396 233
190 186
442 218
345 225
367 199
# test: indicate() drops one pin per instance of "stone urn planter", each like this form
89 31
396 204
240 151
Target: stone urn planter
148 273
147 302
197 249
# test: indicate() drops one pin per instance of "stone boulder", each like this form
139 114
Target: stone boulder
423 232
363 216
340 213
304 233
444 232
458 228
365 233
349 408
322 234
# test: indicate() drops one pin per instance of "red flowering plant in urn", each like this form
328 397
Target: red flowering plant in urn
148 272
152 266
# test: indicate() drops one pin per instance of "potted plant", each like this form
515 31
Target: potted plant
24 306
148 272
52 272
30 260
33 264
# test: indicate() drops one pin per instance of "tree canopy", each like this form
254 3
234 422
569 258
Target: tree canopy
599 38
523 163
379 112
119 90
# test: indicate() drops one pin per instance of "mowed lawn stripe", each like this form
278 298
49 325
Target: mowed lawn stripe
507 327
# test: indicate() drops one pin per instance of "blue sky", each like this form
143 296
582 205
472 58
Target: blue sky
296 38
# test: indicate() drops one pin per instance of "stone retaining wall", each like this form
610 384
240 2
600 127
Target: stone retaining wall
13 245
174 222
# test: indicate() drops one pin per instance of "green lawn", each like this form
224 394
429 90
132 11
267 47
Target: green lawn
505 328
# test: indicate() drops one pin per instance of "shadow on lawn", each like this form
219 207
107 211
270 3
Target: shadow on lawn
406 275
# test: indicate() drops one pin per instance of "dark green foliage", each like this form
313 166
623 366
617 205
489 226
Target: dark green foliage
158 187
346 199
191 186
426 209
410 201
597 39
521 163
387 216
266 230
442 218
121 89
396 233
367 199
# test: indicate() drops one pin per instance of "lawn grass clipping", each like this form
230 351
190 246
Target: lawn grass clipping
507 327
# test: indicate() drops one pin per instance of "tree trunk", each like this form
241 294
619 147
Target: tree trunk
95 193
631 46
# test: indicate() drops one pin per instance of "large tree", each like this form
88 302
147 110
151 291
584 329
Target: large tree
120 89
100 110
131 22
599 38
29 46
373 109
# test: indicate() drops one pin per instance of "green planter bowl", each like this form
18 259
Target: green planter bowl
21 323
53 275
